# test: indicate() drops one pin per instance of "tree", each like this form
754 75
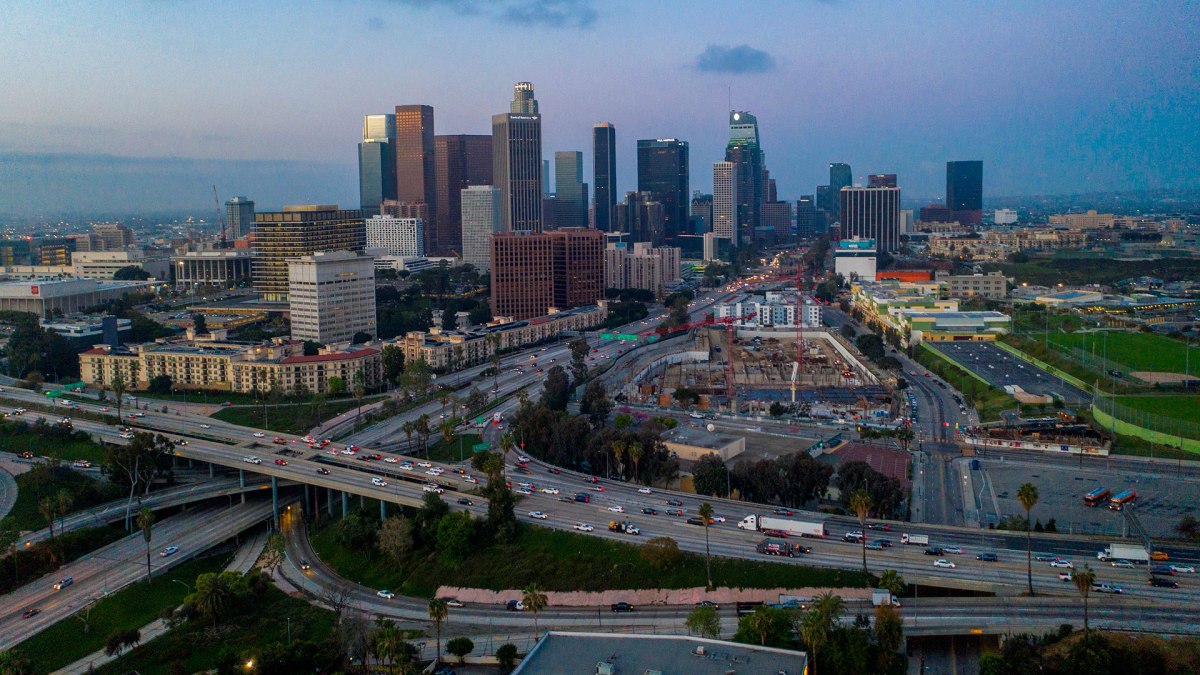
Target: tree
214 595
557 389
438 611
395 538
860 502
337 385
460 647
393 363
506 656
1083 580
360 390
706 512
685 397
1028 496
710 476
360 337
312 348
121 638
137 464
814 630
892 582
145 523
662 553
579 351
704 621
199 324
535 601
765 626
830 607
131 273
455 536
48 507
889 633
118 386
595 403
14 663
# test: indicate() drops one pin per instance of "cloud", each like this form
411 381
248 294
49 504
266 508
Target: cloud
739 59
554 13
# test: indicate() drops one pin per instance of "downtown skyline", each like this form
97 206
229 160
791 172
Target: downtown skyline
1053 98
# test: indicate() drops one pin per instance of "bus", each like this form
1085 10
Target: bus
1122 498
1097 496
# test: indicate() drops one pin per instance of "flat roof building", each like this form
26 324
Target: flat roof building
332 296
63 296
299 231
610 653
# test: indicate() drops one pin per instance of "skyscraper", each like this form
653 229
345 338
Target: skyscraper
745 152
881 180
480 220
604 172
416 163
702 213
331 296
517 161
239 217
570 192
663 172
404 237
872 213
809 221
640 216
534 271
462 161
299 231
725 201
840 176
377 163
964 191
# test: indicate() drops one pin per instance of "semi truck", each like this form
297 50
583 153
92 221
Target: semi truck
915 539
1131 552
795 528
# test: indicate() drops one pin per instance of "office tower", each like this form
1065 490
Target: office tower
547 193
641 216
604 173
533 272
840 176
113 236
239 217
871 213
663 172
725 202
777 216
416 163
745 152
810 222
331 296
772 192
299 231
480 220
702 213
377 163
462 161
826 200
578 266
517 162
570 192
877 180
404 237
964 191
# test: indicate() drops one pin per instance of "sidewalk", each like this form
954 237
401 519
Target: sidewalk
242 562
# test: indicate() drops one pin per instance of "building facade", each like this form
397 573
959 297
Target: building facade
840 176
239 217
416 163
643 266
332 296
44 297
300 231
663 172
724 202
641 217
403 237
872 213
964 191
570 192
855 259
604 173
517 162
882 180
533 273
993 285
224 267
462 161
480 220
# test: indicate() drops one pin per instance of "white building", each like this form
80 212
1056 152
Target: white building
480 220
725 197
855 258
645 266
774 310
104 264
403 237
1005 217
332 296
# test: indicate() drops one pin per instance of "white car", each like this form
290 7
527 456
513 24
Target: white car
407 466
942 562
432 472
957 550
471 479
550 490
584 527
435 489
378 482
1123 564
718 519
644 490
390 460
1184 569
424 465
617 509
522 458
386 594
540 515
202 426
1059 562
523 491
259 434
347 451
251 459
437 471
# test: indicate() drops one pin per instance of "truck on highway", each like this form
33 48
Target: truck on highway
1131 552
780 547
623 526
915 539
497 418
797 528
882 596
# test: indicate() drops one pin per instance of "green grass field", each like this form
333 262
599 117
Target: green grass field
563 561
1135 351
85 490
297 418
15 439
459 449
1179 406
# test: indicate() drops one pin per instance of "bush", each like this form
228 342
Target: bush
506 655
662 553
460 647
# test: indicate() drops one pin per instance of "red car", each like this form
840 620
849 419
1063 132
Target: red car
281 462
555 471
591 479
776 533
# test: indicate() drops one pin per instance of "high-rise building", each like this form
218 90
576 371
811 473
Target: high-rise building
826 201
881 180
570 192
113 236
239 217
299 231
578 266
462 161
777 216
533 272
745 152
663 172
404 237
964 191
416 163
517 162
702 213
377 163
871 213
725 202
840 176
480 220
331 296
604 173
809 221
643 266
641 216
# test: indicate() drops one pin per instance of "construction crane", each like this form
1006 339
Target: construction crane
220 215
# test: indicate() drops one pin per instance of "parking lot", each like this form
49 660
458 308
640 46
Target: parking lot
1164 496
1000 369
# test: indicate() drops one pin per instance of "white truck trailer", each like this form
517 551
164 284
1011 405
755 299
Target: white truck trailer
794 528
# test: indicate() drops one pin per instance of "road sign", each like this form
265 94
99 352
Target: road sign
627 336
607 336
480 447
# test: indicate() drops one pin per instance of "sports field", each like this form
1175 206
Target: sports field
1180 406
1135 351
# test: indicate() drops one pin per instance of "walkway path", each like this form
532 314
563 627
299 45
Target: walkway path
8 492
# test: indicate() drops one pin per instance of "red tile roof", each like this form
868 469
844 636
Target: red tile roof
340 356
891 462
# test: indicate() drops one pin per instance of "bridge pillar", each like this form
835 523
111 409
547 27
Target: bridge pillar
241 478
307 501
329 501
382 510
345 503
212 470
275 502
362 502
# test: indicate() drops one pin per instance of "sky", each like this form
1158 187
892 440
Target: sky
145 104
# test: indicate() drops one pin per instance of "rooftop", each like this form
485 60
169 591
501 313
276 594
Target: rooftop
699 437
563 652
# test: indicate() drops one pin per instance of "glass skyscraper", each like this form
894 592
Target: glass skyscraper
570 192
663 172
604 173
517 161
964 191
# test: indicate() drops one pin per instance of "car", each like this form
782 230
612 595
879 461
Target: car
425 465
1123 564
718 519
591 479
550 490
453 602
874 546
202 426
30 613
854 536
883 543
1184 569
1168 570
987 557
554 471
675 512
81 464
708 603
169 551
879 526
1044 557
305 566
933 550
322 471
259 434
1107 588
622 607
956 550
942 562
63 583
281 462
1159 555
1059 562
650 512
435 489
390 460
514 606
437 471
347 451
378 482
540 515
674 502
430 472
523 491
783 512
251 459
1065 576
1163 582
466 502
644 491
471 479
617 509
523 458
385 594
406 466
583 527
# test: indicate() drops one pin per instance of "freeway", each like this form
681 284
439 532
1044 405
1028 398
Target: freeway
119 564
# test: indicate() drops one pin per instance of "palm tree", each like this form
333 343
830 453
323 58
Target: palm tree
814 629
618 451
759 623
830 607
213 595
635 452
65 500
447 429
423 430
119 386
861 503
438 611
1084 579
535 601
891 581
507 443
706 511
360 390
1028 495
145 522
48 507
409 429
